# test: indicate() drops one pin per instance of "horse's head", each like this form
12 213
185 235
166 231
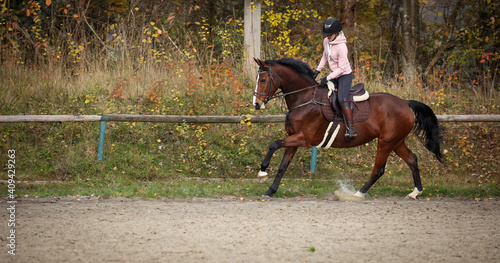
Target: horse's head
266 85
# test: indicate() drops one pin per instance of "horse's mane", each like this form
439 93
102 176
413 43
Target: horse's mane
297 65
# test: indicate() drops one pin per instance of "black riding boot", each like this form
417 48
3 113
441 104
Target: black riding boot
350 131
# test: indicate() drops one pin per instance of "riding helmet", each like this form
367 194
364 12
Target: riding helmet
331 26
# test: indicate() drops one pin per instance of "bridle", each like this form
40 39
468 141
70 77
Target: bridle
267 95
281 94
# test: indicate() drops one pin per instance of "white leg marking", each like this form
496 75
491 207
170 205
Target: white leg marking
359 194
262 176
415 193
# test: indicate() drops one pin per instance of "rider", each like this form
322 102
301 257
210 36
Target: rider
335 53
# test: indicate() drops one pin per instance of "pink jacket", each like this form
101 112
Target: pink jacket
335 53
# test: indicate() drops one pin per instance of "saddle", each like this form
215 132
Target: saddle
358 98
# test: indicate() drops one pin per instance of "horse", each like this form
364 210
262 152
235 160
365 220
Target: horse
391 119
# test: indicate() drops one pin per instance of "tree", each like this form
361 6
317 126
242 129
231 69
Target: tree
348 17
252 35
408 15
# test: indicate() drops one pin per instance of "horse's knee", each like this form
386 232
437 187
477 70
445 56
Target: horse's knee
275 145
413 160
380 172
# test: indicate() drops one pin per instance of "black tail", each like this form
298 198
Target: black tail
426 126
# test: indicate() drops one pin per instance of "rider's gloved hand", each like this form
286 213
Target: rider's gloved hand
315 74
324 81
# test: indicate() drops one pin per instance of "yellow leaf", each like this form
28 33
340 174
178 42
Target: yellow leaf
75 16
48 2
440 14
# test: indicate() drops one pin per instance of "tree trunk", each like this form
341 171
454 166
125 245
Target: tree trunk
252 35
409 37
348 17
395 43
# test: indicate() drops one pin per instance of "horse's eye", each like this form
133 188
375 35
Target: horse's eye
263 80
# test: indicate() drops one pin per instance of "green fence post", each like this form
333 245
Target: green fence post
102 133
314 154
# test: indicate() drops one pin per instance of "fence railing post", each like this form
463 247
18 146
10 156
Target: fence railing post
314 154
102 133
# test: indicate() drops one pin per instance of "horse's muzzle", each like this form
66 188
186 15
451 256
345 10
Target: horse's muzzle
259 106
258 103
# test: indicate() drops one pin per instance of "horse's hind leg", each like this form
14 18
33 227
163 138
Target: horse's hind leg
411 160
384 148
377 172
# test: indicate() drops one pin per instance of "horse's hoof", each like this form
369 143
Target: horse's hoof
262 176
413 195
349 196
266 196
360 195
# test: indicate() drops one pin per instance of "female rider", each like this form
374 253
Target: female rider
335 53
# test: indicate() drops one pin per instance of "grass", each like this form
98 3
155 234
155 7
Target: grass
178 188
240 188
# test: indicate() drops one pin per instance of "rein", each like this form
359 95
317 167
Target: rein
282 95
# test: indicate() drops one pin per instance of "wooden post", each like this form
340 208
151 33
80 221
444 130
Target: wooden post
251 36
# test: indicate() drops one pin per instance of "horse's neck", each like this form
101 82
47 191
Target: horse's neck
298 90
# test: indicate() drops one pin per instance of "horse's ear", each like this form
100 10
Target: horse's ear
261 64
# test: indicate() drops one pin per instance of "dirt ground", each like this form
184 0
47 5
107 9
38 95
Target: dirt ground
91 229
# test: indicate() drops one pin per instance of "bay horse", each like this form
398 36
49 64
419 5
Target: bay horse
390 120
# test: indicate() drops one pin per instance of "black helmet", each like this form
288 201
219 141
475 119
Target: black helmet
331 26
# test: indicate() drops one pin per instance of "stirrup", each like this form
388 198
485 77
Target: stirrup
350 135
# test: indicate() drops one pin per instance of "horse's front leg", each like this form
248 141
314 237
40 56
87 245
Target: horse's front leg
287 158
291 143
265 163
